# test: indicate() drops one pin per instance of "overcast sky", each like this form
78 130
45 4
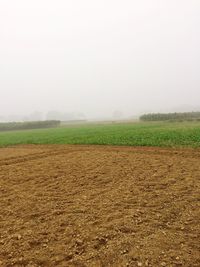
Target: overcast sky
99 56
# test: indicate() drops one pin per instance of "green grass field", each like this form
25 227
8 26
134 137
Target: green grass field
174 134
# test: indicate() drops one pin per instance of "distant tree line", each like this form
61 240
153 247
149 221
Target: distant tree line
11 126
185 116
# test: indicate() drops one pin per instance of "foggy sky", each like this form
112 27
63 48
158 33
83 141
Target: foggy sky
97 57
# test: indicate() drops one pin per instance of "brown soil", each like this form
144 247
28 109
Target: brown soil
99 206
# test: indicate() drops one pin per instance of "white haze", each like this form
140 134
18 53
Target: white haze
98 57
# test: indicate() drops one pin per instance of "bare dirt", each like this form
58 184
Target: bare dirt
99 206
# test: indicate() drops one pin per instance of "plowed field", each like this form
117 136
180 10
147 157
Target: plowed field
99 206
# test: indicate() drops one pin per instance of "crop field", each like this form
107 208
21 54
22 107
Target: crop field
112 199
99 206
131 134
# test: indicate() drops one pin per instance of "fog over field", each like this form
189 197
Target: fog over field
98 59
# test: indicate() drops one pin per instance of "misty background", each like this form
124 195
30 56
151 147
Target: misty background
92 59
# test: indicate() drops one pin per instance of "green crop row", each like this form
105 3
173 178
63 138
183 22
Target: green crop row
163 134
